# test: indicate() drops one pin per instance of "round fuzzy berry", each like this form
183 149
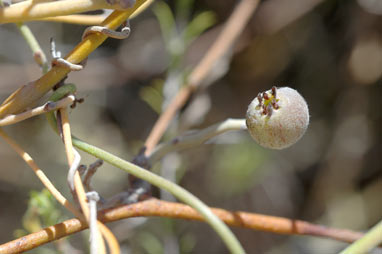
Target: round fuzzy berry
277 118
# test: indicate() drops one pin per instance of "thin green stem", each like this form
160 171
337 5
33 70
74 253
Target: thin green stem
222 229
195 138
370 240
38 53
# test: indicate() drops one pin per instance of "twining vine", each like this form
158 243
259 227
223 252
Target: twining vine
277 118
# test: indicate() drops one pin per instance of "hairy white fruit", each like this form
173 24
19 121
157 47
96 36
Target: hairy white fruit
277 118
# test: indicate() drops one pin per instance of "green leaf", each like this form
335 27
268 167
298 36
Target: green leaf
166 20
152 95
237 167
150 243
198 25
183 9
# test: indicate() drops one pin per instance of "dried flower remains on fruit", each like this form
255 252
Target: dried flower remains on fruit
277 118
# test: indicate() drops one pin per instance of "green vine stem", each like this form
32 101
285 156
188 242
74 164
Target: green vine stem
222 229
370 240
195 138
38 53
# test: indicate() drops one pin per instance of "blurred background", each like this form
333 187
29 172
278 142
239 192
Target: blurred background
330 51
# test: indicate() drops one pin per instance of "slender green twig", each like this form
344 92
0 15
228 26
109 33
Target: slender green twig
223 231
232 29
38 53
370 240
182 194
195 138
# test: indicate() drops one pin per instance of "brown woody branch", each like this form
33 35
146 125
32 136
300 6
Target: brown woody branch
159 208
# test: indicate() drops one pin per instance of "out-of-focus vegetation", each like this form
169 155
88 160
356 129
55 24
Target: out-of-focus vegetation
330 51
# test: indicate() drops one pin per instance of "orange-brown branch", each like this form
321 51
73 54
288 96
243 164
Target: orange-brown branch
154 207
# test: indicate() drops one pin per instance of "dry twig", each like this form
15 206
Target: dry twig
154 207
233 28
28 94
79 188
41 175
47 107
31 10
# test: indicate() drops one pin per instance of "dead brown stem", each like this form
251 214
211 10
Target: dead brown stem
159 208
80 191
232 29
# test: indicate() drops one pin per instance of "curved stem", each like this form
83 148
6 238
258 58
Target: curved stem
227 236
80 191
28 94
38 53
370 240
224 232
160 208
195 138
47 107
232 29
41 175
